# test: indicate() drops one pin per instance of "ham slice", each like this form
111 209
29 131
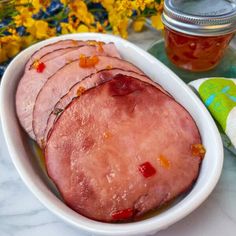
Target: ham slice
52 47
32 81
109 48
60 83
52 55
87 83
121 149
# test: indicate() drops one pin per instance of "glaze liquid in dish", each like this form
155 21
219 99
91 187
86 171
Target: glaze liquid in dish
116 144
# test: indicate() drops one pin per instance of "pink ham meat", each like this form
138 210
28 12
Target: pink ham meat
52 55
32 81
110 47
87 83
98 144
60 83
52 47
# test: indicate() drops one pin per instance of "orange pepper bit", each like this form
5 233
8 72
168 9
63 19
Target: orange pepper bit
100 47
107 135
86 62
198 150
35 64
82 60
80 91
95 43
43 143
109 67
164 162
92 42
98 44
75 42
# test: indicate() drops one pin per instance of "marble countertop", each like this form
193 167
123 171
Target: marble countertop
21 214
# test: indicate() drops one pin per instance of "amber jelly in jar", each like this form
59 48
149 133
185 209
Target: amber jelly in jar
197 32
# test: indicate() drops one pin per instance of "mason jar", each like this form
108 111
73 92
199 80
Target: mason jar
197 33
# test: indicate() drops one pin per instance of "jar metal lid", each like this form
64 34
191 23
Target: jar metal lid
200 17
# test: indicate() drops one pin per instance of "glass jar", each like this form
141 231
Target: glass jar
198 32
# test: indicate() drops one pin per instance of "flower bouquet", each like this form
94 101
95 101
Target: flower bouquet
24 22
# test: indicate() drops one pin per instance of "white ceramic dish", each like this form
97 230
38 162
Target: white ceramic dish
20 147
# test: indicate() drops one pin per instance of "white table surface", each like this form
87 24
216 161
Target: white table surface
21 214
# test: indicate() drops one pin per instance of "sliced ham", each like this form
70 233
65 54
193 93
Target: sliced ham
109 48
60 83
52 47
87 83
121 149
32 81
52 55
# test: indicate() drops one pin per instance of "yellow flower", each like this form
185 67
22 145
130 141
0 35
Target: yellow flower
21 2
138 24
3 54
37 4
79 12
24 18
108 4
82 28
27 40
12 31
125 7
159 7
65 2
74 19
142 3
67 28
76 5
64 28
100 28
10 46
34 5
40 30
156 21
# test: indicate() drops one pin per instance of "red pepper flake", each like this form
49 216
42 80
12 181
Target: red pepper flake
198 150
147 169
40 66
122 214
